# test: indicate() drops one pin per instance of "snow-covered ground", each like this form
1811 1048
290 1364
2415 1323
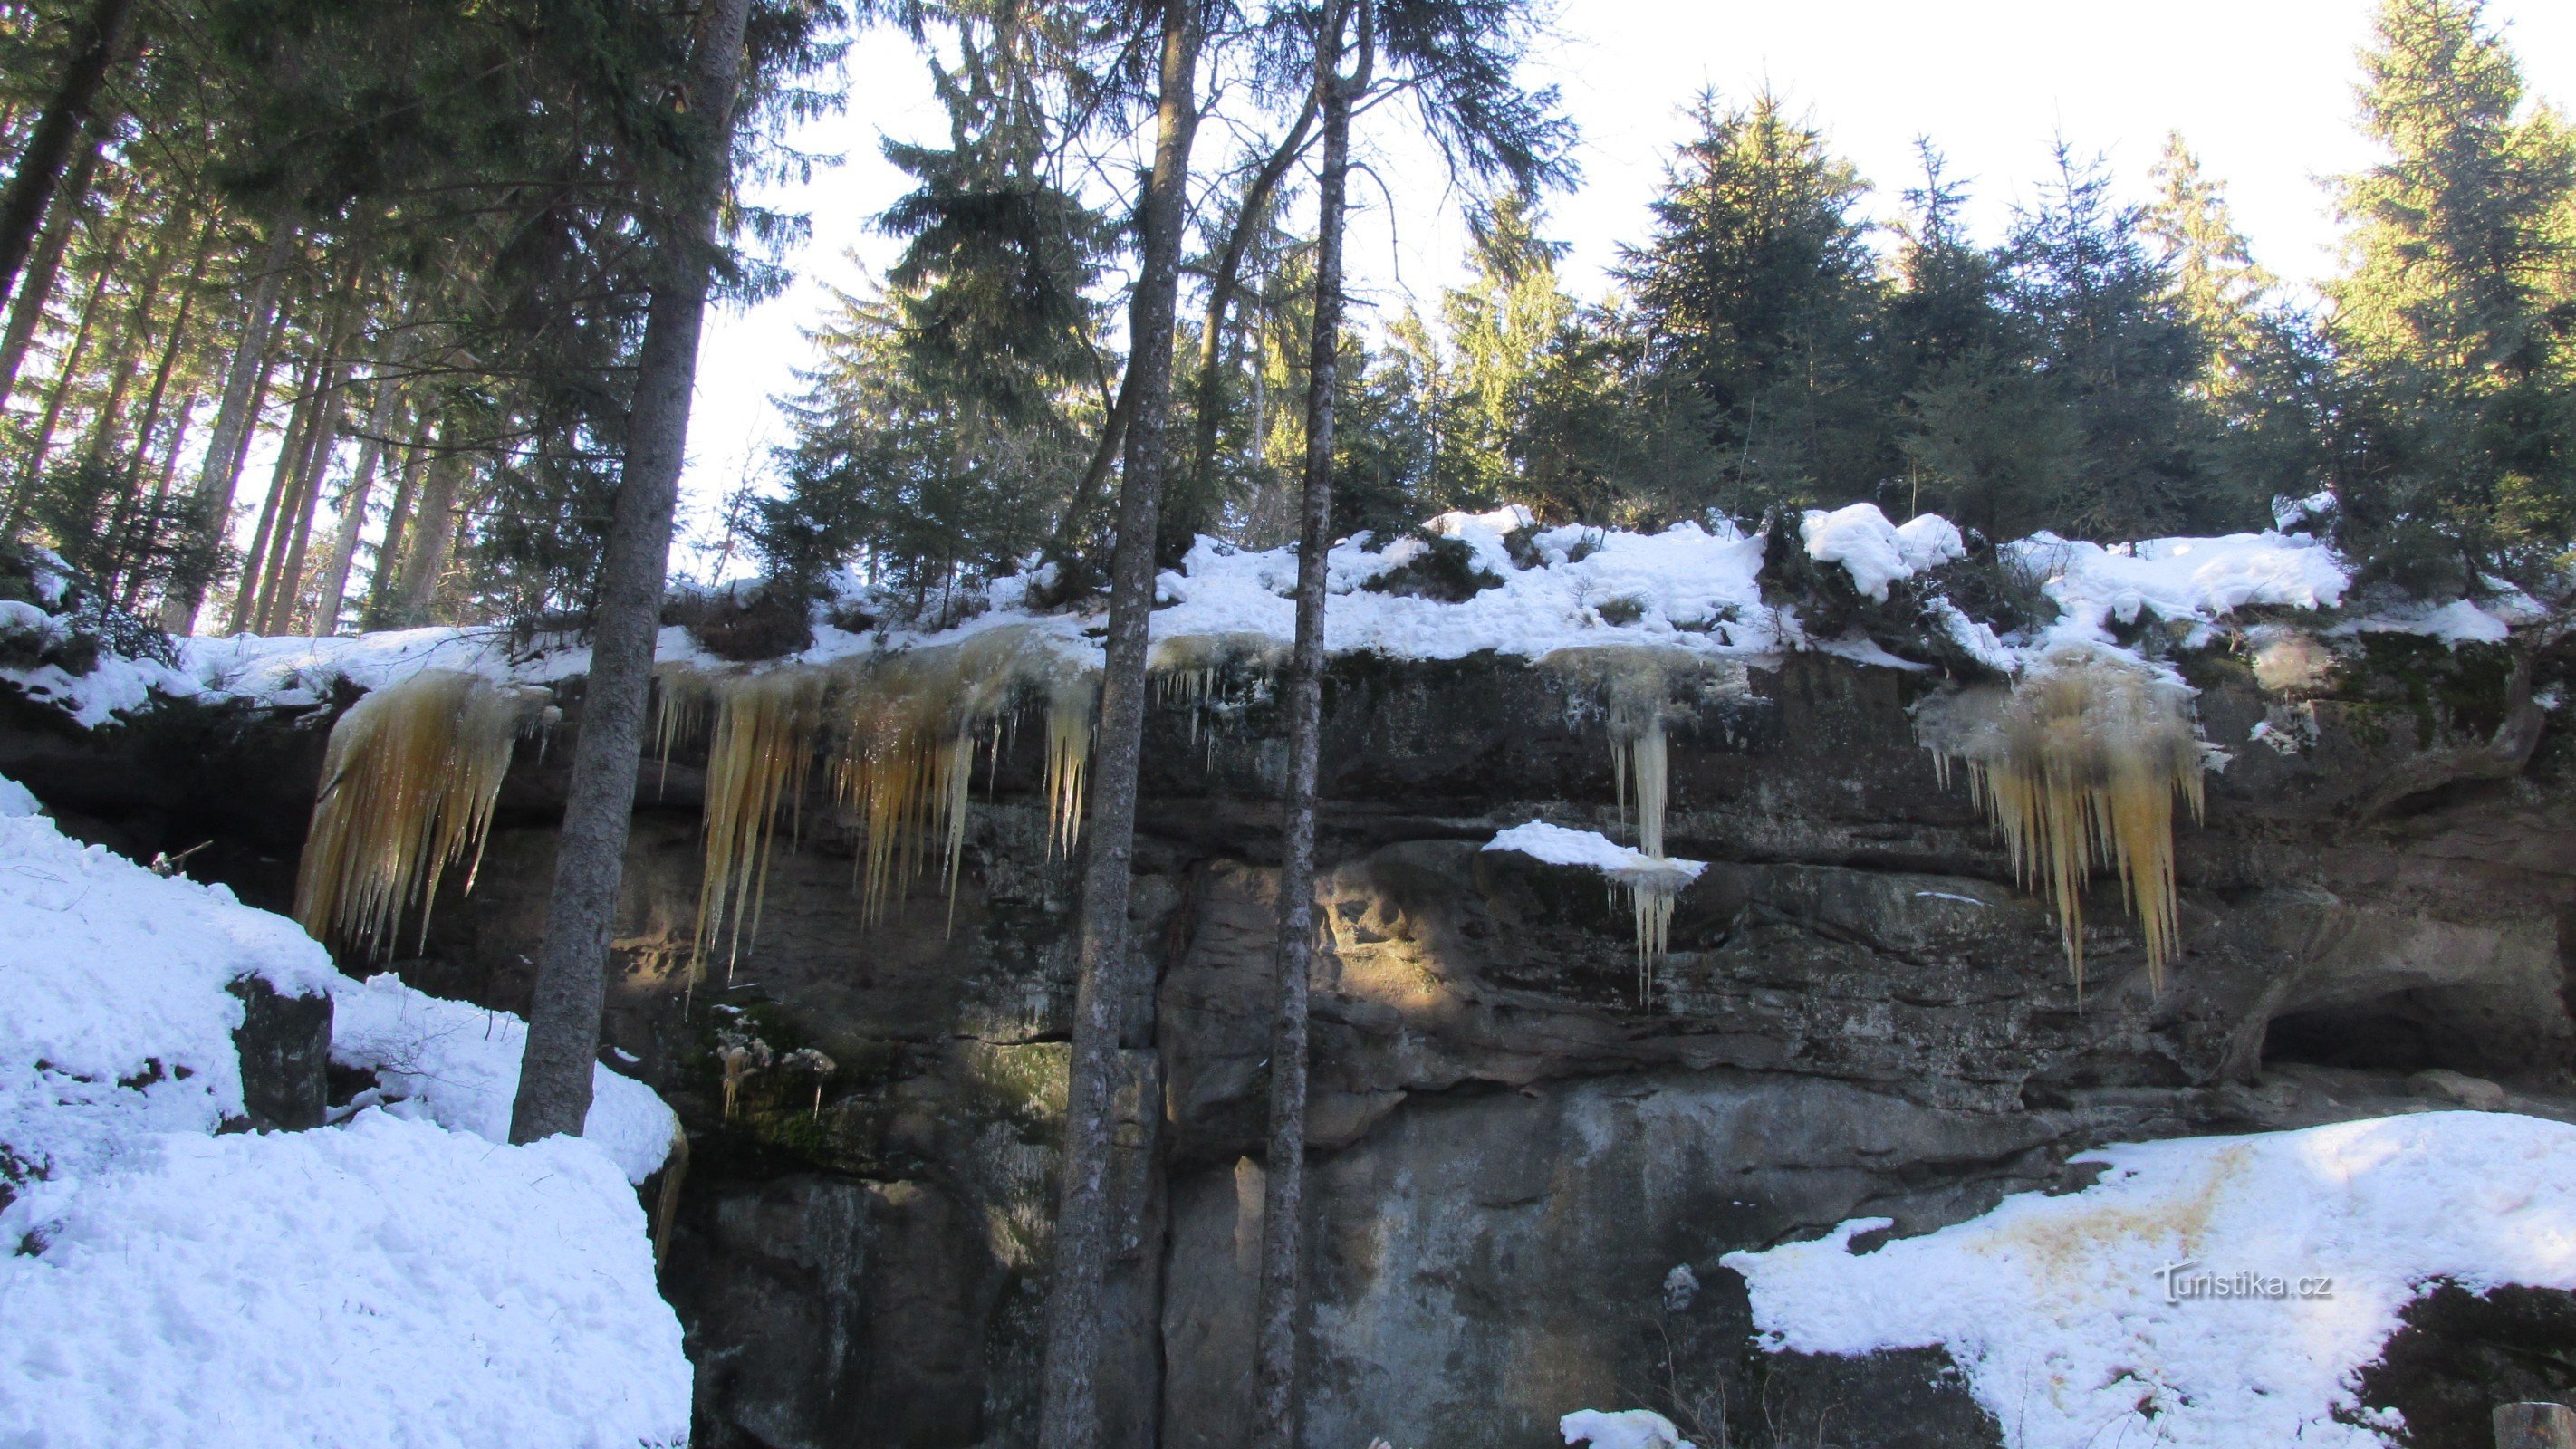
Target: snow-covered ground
2214 1291
405 1278
1689 588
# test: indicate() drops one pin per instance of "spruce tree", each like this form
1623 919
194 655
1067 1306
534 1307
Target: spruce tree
2455 313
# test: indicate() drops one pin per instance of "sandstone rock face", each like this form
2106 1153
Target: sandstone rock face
1529 1155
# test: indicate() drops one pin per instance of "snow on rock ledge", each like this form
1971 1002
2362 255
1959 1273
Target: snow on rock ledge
2211 1291
1588 849
1876 552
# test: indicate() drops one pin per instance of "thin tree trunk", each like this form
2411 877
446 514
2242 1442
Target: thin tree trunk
40 166
590 856
285 581
353 512
161 488
27 310
1069 1417
245 379
433 524
1222 290
60 396
170 354
1061 548
281 485
133 337
387 569
285 585
1283 1201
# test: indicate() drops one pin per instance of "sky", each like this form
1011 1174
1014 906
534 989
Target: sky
2262 89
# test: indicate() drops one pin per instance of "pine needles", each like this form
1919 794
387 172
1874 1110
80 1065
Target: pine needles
2078 765
408 785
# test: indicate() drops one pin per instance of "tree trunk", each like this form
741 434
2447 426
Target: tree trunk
286 584
1069 1416
1283 1200
281 487
40 166
278 595
433 524
387 570
353 512
27 311
245 378
161 489
1221 293
590 857
134 336
170 351
32 472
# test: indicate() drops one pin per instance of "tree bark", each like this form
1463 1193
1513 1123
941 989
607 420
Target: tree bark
245 378
433 525
353 512
62 218
69 373
286 581
1069 1416
133 338
94 48
170 351
1221 293
387 570
590 857
1284 1192
282 479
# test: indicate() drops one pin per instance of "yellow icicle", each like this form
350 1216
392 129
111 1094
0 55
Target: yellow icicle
409 781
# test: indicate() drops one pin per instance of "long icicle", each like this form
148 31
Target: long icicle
2078 766
409 782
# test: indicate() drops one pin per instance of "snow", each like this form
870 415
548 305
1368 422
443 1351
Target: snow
1626 1429
2183 579
1690 588
387 1283
107 970
2210 1291
2454 624
403 1279
1876 552
1588 849
458 1065
1687 588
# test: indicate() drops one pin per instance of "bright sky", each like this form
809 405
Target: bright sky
2261 88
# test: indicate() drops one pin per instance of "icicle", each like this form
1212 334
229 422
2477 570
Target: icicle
757 763
683 697
904 754
1071 702
2078 765
408 785
1652 890
1632 686
1191 669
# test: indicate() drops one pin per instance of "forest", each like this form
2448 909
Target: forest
407 252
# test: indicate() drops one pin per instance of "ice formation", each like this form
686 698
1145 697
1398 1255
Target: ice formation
897 733
757 762
2078 764
1652 883
408 784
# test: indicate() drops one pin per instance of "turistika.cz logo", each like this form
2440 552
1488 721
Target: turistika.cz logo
2183 1285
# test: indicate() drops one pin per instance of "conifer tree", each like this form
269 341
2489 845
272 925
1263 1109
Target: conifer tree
2456 311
